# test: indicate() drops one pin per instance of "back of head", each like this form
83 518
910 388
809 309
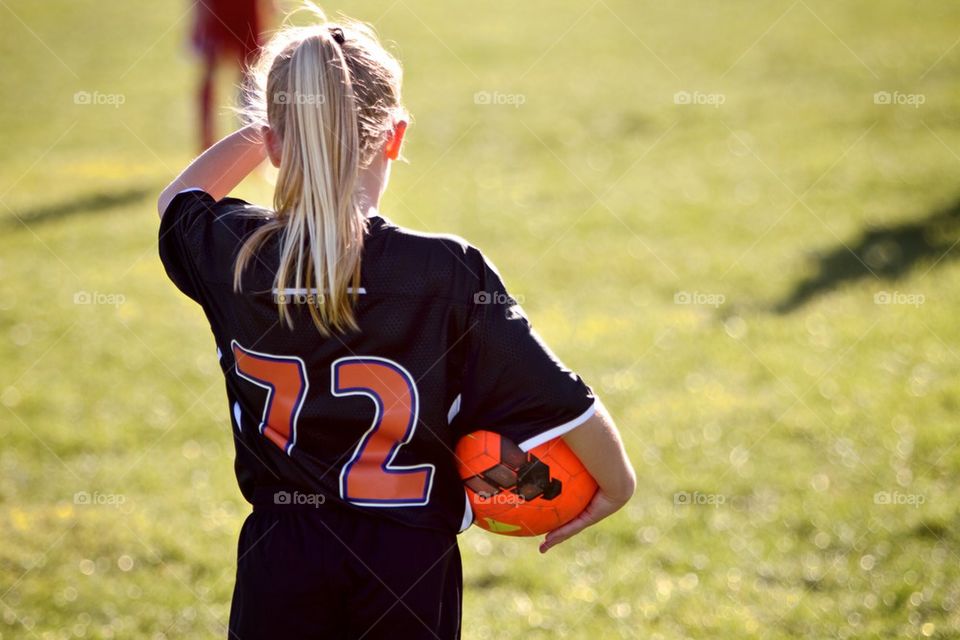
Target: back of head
330 93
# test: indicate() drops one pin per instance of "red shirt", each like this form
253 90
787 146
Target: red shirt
228 27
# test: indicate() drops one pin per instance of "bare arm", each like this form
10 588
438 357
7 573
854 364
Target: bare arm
598 445
219 169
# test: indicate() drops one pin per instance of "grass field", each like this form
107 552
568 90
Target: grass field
709 211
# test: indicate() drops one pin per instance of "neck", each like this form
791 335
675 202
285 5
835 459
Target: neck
371 184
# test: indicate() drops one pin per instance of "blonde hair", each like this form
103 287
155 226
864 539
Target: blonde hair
331 93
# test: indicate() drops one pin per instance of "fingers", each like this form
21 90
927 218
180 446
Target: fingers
599 508
565 532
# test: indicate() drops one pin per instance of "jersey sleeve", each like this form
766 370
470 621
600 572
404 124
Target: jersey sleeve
513 384
181 237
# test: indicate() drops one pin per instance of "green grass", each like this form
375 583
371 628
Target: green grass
600 199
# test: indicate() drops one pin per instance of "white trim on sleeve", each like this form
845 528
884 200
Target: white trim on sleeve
467 513
454 409
238 416
559 430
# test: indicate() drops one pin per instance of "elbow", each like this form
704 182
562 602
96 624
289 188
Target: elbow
629 483
625 487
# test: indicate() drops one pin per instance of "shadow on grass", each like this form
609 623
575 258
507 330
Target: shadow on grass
90 203
487 581
887 253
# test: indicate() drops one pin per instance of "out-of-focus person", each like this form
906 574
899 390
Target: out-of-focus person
229 32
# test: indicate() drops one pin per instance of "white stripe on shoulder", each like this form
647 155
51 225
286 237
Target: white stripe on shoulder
290 291
192 189
559 430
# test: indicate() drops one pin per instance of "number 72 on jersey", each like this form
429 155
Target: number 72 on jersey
369 477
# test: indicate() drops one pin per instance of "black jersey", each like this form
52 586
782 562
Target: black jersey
369 418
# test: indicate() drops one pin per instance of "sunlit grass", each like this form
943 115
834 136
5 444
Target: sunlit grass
820 441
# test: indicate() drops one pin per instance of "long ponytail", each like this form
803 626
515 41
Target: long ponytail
330 95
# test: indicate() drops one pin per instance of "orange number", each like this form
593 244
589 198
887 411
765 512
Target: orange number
370 478
285 379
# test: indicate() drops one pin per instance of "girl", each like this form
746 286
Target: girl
355 354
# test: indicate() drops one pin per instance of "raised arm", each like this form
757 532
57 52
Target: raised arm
598 445
219 169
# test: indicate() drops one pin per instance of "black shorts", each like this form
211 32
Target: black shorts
336 573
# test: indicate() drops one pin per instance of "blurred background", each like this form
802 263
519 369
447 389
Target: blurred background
738 220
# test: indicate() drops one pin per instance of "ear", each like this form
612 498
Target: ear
392 147
273 144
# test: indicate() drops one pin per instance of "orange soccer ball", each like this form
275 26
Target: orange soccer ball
522 494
